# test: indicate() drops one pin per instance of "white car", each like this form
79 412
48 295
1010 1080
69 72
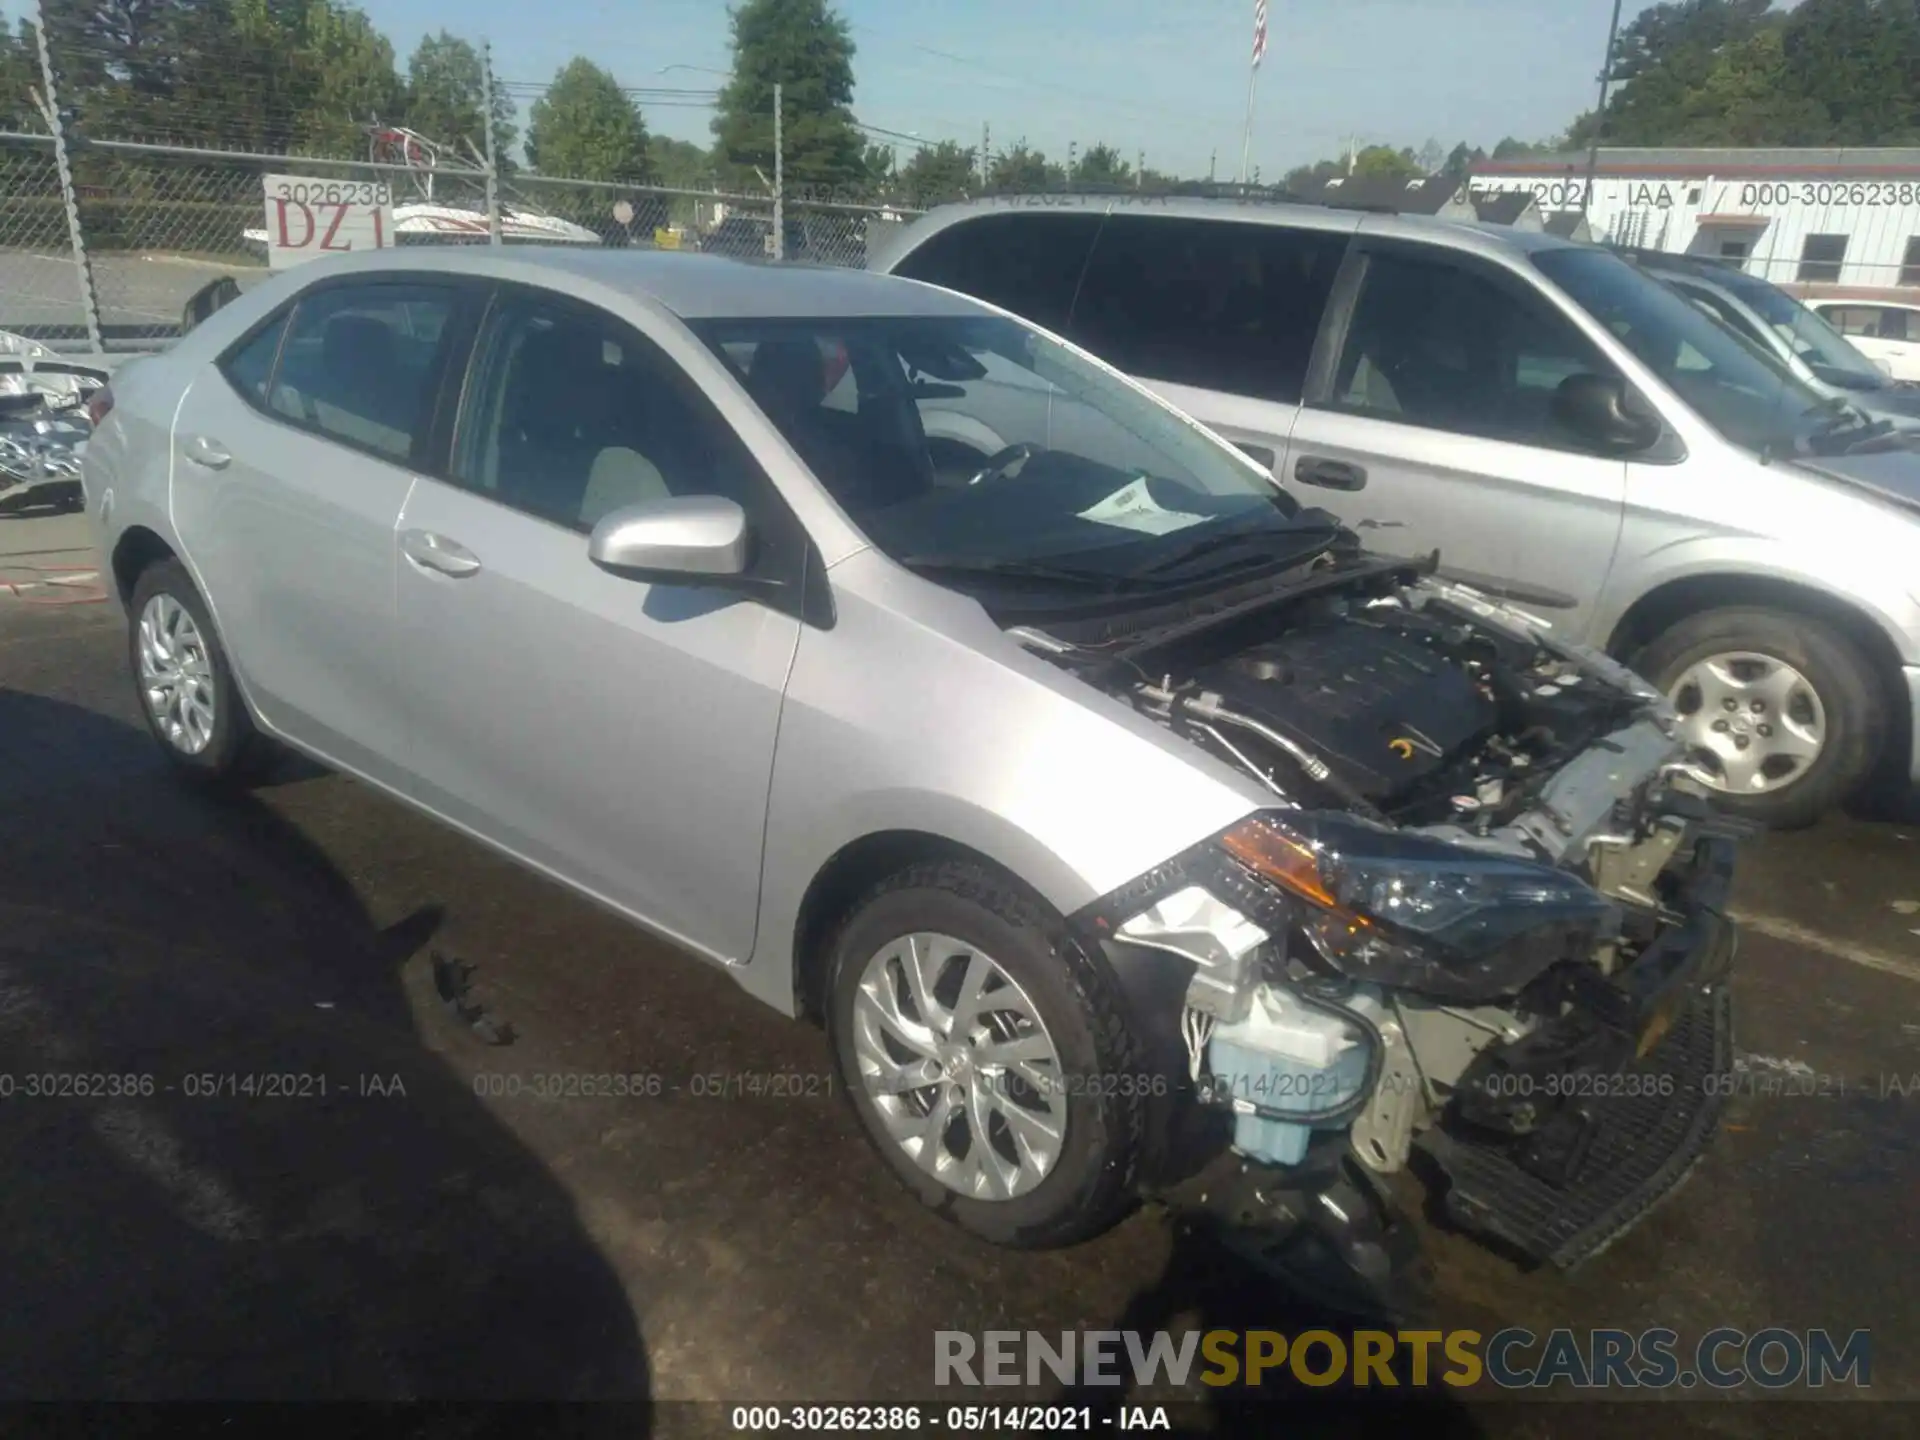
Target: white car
1885 331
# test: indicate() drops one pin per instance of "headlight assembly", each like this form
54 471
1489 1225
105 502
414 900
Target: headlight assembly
1409 911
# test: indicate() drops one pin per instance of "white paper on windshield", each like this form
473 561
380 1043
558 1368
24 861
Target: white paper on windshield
1132 507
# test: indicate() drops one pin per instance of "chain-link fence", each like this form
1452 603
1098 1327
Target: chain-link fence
160 222
40 283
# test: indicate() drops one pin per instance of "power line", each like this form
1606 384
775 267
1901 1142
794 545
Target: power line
1050 85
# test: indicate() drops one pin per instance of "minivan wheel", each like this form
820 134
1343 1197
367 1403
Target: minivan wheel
185 685
986 1056
1780 711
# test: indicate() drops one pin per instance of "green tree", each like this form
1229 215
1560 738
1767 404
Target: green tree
1509 148
1745 72
19 78
1305 179
938 174
350 82
121 62
1024 171
1102 167
446 92
587 127
1461 160
803 46
1855 63
1387 162
679 163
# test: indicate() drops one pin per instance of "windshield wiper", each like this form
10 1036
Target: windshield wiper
1024 570
1312 539
1837 413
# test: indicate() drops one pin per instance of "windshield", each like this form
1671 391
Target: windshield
974 444
1753 400
1827 352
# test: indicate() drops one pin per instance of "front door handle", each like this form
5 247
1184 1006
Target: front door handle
206 452
434 552
1329 474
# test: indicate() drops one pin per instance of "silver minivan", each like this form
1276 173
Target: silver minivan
1571 436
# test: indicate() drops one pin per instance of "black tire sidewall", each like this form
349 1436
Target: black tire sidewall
1092 1181
227 751
1856 710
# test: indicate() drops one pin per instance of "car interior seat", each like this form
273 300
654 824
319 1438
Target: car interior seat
364 393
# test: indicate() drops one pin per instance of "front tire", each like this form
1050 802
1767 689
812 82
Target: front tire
986 1056
185 685
1781 708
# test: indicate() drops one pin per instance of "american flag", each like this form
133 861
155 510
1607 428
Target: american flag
1259 31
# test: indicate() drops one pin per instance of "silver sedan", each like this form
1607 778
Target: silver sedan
1115 813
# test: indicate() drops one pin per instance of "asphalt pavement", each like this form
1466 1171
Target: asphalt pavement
134 292
405 1218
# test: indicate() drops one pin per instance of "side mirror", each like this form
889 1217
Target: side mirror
1599 408
681 538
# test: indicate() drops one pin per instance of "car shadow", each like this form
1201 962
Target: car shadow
1207 1286
235 1168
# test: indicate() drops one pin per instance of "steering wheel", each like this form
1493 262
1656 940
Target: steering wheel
1000 463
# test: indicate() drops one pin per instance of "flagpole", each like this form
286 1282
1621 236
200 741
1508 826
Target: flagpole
1246 140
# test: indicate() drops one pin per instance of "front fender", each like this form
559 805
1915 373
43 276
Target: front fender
915 714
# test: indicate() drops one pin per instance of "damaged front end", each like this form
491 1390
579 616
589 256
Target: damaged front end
1478 936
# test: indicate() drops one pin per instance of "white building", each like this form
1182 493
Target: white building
1842 222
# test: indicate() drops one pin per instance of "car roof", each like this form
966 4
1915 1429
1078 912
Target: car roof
693 286
1871 302
1459 234
1697 267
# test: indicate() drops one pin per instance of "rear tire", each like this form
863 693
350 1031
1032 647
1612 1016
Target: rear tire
1840 704
184 683
1098 1082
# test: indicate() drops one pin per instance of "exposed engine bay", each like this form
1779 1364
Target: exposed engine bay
1481 909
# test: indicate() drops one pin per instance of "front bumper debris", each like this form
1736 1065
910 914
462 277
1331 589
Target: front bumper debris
1560 1143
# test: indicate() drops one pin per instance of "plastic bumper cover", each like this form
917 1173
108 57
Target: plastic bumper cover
1606 1141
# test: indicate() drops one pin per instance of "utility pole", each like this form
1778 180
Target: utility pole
1073 149
986 143
779 175
1140 170
1600 115
1213 158
493 161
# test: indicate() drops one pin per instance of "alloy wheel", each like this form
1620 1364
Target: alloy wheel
1753 722
176 675
960 1066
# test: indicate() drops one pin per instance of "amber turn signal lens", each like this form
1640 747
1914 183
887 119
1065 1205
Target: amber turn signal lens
1274 855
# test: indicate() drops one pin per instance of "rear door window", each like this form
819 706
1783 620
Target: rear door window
1218 304
359 363
1026 261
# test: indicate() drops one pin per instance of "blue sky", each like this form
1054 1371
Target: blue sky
1167 77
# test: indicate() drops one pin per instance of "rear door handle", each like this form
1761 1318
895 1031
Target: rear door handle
206 452
429 551
1329 474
